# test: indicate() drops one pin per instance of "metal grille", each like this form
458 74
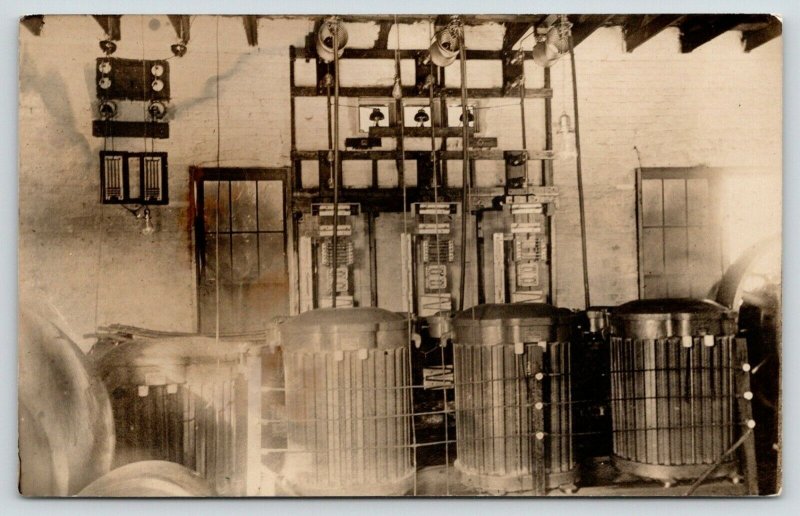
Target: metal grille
114 178
673 406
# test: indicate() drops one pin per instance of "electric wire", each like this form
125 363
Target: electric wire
335 237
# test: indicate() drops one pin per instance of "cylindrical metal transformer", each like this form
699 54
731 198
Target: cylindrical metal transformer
672 385
348 403
180 399
513 397
66 431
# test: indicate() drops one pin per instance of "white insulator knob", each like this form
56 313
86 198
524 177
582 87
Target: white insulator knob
746 367
540 435
751 424
748 395
538 405
539 376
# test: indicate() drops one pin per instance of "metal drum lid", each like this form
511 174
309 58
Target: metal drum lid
492 324
338 329
161 361
680 317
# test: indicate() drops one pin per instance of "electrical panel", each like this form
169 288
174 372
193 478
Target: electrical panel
133 177
521 249
434 252
132 79
327 271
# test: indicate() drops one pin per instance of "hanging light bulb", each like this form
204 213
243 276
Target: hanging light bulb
325 39
397 89
148 228
567 147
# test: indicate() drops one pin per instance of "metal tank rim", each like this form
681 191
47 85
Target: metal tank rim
649 319
343 329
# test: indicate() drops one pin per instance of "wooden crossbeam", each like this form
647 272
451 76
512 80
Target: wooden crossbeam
33 23
382 42
251 29
584 25
181 24
642 28
700 29
753 39
513 33
110 24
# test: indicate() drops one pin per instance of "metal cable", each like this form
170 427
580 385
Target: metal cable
579 171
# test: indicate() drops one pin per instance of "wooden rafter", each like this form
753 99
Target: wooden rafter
110 24
700 29
33 23
513 33
755 38
584 25
640 29
181 24
382 41
251 29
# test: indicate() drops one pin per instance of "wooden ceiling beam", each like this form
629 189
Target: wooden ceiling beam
702 28
33 23
641 29
251 29
513 33
110 24
584 25
382 41
181 24
753 39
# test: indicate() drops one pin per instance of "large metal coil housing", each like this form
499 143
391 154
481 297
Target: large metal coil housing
66 431
175 399
348 403
672 385
513 397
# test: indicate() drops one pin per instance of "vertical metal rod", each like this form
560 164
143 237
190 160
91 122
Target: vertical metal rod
465 170
586 296
335 238
522 119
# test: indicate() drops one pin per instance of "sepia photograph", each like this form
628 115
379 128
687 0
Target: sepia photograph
400 255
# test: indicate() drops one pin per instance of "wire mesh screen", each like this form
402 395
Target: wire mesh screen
673 404
349 422
514 415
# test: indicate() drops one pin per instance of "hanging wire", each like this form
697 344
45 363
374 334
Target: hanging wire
401 147
465 193
216 208
578 169
335 237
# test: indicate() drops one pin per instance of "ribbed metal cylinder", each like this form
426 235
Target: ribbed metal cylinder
672 385
348 403
514 397
179 400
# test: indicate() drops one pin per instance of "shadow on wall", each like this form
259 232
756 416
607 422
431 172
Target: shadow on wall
51 87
